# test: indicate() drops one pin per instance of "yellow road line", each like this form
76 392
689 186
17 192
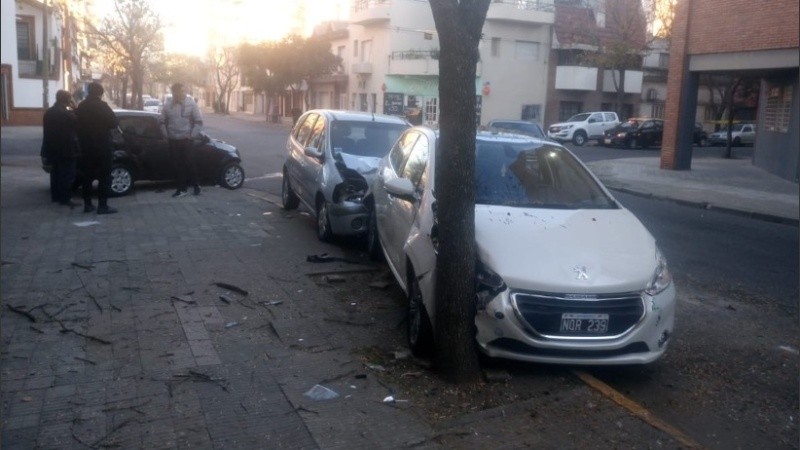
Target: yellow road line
637 410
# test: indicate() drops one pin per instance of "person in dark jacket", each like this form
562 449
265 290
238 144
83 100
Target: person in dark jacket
60 147
95 122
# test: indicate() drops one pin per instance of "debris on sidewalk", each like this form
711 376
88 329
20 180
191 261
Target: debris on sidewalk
376 367
231 287
334 278
402 354
496 375
319 392
271 303
87 223
380 284
788 349
225 299
324 258
201 377
231 324
183 299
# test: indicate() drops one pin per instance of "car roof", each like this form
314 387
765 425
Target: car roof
359 116
512 121
135 112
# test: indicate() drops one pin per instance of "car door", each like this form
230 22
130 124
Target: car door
147 147
402 212
595 125
311 165
748 134
296 158
384 208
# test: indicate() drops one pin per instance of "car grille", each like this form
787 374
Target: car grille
555 129
541 312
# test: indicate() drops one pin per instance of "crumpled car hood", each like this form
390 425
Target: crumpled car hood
362 164
565 251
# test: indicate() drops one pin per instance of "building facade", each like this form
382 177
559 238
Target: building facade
740 39
390 63
40 55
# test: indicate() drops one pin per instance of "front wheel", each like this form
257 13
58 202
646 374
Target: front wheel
288 196
232 176
579 138
420 330
324 232
633 143
121 180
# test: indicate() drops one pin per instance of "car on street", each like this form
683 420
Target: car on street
152 105
565 274
331 158
636 133
141 152
741 134
583 127
700 137
518 126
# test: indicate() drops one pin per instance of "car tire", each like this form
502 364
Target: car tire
703 142
121 180
633 143
324 233
579 138
232 176
420 331
288 196
737 142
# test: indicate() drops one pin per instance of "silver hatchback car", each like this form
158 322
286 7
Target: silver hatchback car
332 158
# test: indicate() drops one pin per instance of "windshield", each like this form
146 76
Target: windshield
629 125
151 103
516 174
362 138
579 117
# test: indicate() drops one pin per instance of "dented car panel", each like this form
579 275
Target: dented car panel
564 273
332 156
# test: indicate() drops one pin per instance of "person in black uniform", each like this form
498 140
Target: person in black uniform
60 147
95 122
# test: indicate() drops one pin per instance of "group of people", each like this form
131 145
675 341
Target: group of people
77 139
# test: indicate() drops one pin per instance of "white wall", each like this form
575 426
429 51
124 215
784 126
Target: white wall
28 91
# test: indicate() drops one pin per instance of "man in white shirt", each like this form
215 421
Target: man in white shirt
183 122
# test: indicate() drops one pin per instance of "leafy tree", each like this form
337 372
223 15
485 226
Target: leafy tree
187 69
258 63
225 70
133 33
459 25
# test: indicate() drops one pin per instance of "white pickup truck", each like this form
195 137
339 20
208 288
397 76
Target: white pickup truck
583 127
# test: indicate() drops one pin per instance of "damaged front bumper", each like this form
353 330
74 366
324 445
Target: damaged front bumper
348 218
503 332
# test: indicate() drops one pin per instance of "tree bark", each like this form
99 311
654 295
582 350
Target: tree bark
459 26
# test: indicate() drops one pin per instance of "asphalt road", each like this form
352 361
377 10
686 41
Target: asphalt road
729 379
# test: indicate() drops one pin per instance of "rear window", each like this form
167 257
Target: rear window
521 174
151 103
361 138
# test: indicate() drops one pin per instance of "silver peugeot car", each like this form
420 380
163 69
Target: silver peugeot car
332 157
565 274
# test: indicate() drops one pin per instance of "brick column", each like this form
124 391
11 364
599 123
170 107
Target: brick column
676 87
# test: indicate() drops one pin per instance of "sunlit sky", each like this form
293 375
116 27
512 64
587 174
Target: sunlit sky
191 26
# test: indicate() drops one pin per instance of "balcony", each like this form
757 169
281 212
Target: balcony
414 62
33 69
522 11
363 67
367 12
633 81
576 78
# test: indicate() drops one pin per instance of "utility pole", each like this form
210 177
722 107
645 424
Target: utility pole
45 58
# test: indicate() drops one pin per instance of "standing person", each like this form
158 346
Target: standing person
183 122
95 122
60 147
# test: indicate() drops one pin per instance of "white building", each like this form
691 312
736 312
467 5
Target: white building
390 64
39 56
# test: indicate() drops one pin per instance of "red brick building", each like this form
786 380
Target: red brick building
745 39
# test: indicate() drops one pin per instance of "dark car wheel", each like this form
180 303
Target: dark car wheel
373 240
633 143
703 142
288 197
232 176
420 331
579 138
737 142
121 180
323 221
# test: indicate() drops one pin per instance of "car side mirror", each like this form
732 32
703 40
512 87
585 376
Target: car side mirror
402 188
313 152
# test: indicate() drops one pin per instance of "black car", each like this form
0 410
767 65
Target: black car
635 133
700 137
141 152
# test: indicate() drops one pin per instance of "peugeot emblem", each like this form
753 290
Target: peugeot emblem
580 272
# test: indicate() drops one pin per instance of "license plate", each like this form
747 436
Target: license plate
608 141
583 323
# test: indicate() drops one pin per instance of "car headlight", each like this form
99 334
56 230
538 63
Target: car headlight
350 191
621 135
661 277
488 285
567 127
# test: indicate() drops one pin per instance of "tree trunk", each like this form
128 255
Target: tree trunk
621 96
459 26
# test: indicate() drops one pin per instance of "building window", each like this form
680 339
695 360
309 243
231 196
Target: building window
568 109
663 60
26 43
526 51
778 109
531 112
363 106
355 48
495 46
340 52
431 110
658 110
366 51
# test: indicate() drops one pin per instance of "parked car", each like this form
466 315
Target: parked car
565 274
141 152
518 126
152 105
332 156
636 133
583 127
741 134
700 137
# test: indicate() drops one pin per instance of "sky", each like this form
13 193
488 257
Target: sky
191 26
